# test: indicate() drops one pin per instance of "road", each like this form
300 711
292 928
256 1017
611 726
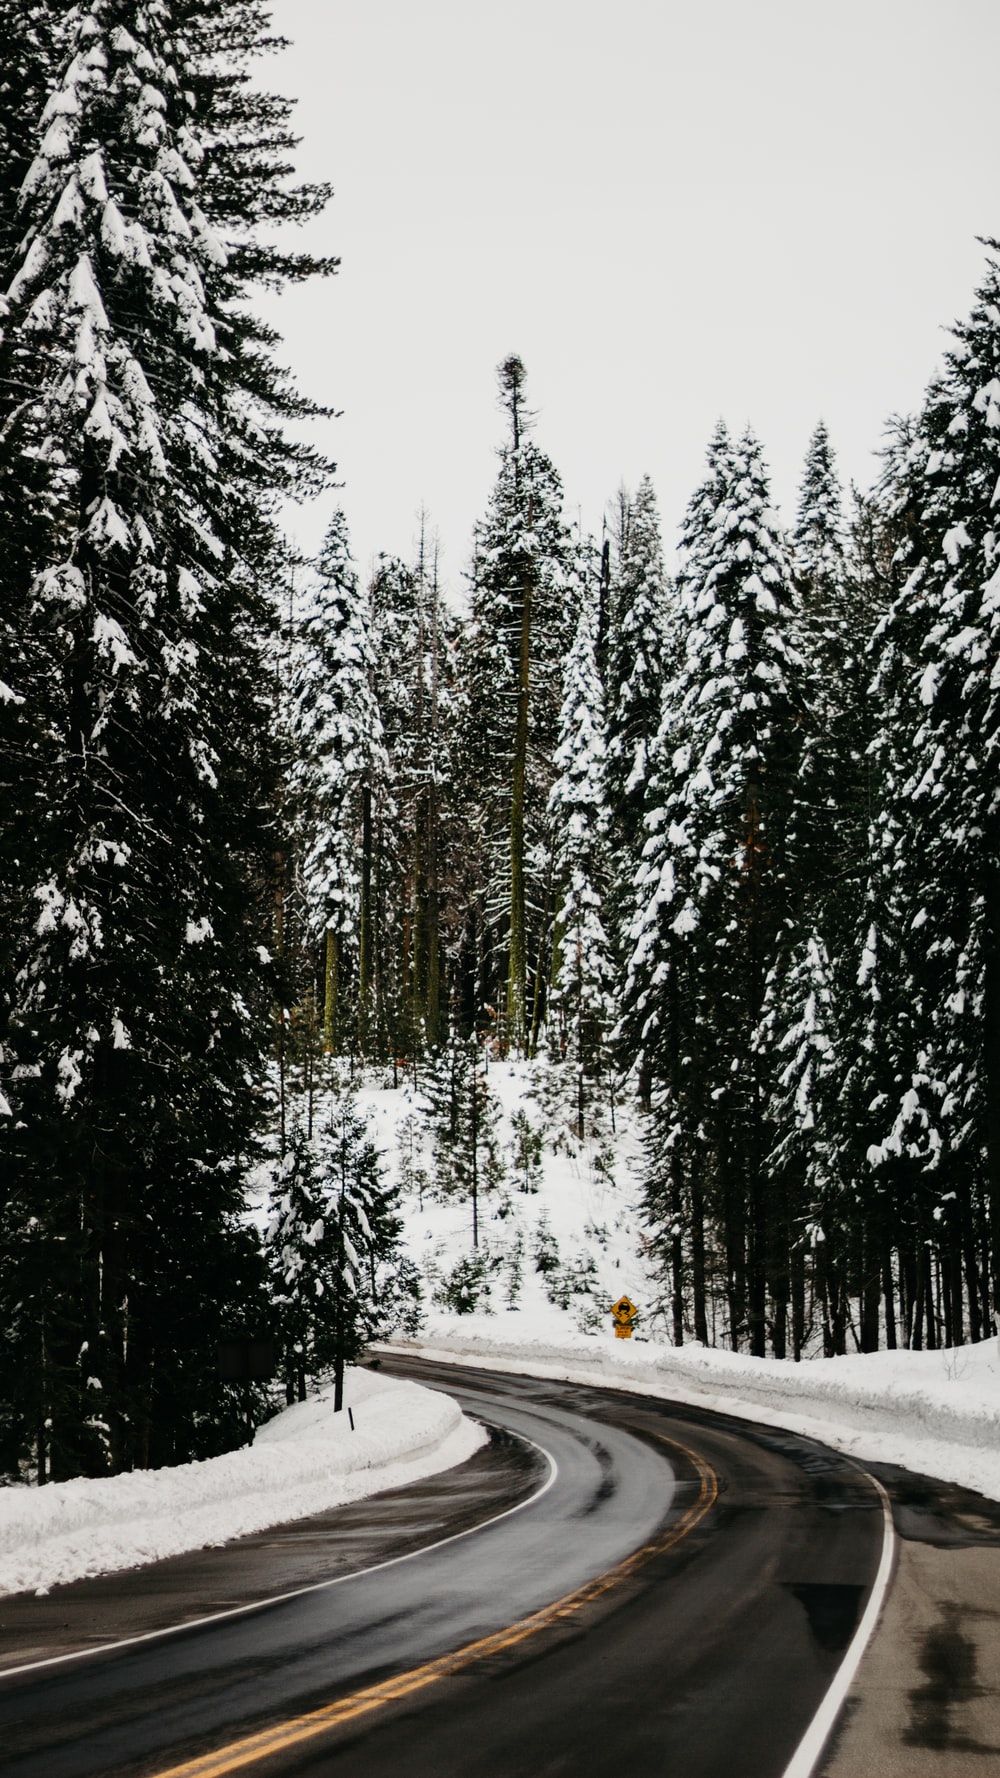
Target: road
653 1588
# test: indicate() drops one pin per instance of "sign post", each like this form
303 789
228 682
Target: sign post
624 1313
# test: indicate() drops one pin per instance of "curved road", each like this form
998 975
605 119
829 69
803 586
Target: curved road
663 1590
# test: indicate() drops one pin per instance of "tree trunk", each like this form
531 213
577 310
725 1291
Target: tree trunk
889 1299
331 993
797 1283
698 1282
475 1151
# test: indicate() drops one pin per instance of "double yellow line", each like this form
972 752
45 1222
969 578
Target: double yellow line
285 1735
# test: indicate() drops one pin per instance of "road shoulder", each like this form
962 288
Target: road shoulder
926 1701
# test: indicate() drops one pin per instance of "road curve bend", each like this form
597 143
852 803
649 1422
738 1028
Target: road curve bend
676 1594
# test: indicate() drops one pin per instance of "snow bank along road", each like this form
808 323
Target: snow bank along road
303 1461
709 1578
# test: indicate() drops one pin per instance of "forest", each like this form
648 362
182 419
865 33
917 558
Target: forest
722 842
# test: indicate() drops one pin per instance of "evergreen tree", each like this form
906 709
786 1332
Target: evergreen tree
834 628
339 755
33 33
938 841
819 539
649 941
582 1001
32 36
463 1114
521 629
801 1044
339 1278
416 670
716 872
639 650
150 426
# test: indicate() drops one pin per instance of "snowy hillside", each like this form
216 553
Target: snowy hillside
558 1225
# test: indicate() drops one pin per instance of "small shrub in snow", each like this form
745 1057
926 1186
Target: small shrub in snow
514 1266
466 1288
526 1152
577 1278
545 1247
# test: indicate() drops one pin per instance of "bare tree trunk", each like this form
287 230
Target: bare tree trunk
331 992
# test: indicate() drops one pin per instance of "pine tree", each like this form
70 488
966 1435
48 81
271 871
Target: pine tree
665 841
463 1114
33 33
339 756
581 1011
819 539
801 1043
521 629
339 1278
151 426
939 839
640 647
416 670
834 627
716 874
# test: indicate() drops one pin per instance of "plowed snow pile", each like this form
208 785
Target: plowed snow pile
304 1461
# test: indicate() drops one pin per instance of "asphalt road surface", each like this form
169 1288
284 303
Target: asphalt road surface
633 1587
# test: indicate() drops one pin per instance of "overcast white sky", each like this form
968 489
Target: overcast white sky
671 209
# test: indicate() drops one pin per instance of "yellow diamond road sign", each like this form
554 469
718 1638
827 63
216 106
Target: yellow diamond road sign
623 1309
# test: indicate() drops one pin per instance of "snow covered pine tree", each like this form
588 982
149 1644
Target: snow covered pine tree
581 1011
715 885
338 753
522 627
333 1249
939 851
147 403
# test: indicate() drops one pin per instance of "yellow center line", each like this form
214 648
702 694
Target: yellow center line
285 1735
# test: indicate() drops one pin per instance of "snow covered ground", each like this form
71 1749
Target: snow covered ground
304 1461
559 1229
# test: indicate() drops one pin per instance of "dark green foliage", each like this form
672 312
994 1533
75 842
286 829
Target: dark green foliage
463 1115
143 446
338 1278
523 614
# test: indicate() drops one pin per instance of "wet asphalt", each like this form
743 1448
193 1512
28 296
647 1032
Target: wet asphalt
706 1659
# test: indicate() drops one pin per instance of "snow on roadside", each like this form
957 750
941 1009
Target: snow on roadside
304 1461
937 1413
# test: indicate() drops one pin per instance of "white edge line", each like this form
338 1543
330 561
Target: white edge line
319 1586
811 1746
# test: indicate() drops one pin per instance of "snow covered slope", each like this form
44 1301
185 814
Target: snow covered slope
559 1232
